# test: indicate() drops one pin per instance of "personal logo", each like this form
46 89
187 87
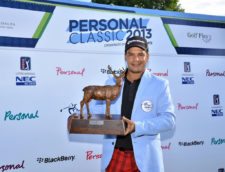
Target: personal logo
187 107
13 166
210 73
62 72
9 116
217 141
107 30
166 147
160 74
90 155
147 106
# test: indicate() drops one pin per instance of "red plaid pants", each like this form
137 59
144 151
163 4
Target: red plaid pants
122 161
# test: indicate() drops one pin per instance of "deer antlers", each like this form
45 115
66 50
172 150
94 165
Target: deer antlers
122 72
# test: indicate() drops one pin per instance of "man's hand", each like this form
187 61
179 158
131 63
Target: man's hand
130 126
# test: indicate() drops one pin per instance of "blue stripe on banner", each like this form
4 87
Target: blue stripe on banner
17 42
192 23
200 51
27 6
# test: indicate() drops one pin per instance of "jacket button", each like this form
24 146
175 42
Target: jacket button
112 143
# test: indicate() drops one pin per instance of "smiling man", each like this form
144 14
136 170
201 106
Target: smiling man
147 109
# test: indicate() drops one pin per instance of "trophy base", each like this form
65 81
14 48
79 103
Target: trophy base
97 124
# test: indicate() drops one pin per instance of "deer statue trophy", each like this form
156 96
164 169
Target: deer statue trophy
107 93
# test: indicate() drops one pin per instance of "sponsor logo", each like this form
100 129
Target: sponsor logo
164 74
187 67
72 108
166 147
25 78
187 77
25 63
90 155
60 71
106 30
55 159
218 141
216 110
12 166
221 170
187 107
20 116
107 71
214 74
216 99
188 80
200 36
191 143
147 105
7 25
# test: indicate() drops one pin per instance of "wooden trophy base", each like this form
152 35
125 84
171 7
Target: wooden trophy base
97 124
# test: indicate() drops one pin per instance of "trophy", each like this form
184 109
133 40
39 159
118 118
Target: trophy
99 123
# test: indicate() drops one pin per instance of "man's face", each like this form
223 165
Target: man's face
136 59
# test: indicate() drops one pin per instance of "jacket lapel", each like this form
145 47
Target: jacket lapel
141 88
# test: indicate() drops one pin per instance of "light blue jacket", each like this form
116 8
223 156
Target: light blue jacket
153 113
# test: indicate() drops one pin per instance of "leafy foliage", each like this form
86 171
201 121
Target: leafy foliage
170 5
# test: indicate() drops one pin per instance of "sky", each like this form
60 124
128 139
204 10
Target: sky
211 7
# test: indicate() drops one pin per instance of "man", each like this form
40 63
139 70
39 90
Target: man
146 106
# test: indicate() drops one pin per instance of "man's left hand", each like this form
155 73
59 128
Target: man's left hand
130 125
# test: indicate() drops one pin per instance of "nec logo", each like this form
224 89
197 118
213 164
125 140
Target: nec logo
25 63
221 170
188 80
25 80
217 112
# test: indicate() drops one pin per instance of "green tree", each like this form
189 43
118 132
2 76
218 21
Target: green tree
170 5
